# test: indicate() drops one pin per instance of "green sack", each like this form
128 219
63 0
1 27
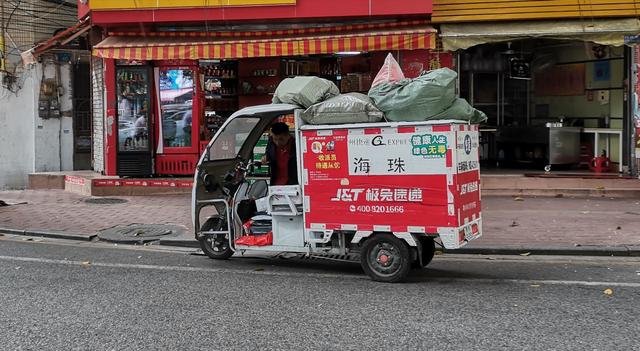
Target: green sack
342 109
304 91
416 99
461 110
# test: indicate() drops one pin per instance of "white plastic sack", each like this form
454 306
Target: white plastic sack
389 73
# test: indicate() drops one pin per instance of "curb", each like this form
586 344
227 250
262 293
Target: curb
50 234
91 237
618 251
180 243
591 250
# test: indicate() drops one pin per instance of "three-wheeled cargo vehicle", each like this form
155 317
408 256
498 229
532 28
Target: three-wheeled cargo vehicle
383 192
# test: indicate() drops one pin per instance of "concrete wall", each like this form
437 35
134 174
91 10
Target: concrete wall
29 143
17 113
54 136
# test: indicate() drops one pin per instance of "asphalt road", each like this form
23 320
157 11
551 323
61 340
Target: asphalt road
59 295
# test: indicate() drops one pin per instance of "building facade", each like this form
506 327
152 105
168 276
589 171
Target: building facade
545 68
40 108
173 71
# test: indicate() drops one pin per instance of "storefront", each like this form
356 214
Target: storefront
169 89
166 74
635 100
557 93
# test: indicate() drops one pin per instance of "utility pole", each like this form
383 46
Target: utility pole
3 53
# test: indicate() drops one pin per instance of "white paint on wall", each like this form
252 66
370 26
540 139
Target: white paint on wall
98 97
66 83
66 108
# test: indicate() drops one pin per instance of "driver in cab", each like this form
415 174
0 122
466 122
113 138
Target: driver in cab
281 156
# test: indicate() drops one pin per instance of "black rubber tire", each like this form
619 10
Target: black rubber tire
222 251
400 258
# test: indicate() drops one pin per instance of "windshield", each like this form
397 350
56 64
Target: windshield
228 143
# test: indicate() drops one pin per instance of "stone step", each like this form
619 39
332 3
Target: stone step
46 181
94 184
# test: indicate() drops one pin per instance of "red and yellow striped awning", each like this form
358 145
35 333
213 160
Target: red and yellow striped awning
196 45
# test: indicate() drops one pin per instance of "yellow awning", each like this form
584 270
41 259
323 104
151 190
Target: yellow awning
233 45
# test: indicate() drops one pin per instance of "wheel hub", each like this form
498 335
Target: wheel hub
385 259
217 244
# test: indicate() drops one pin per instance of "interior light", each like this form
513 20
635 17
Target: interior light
348 53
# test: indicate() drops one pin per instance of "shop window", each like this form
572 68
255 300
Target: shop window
176 104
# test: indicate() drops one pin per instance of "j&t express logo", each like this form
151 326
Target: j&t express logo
429 145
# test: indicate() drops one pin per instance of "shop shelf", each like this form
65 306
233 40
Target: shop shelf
253 77
220 78
256 94
221 97
133 95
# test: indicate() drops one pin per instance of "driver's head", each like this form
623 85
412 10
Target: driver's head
280 134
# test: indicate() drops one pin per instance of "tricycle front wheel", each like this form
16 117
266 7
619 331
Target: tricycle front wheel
215 246
385 258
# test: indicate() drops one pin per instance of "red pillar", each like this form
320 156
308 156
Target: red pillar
110 123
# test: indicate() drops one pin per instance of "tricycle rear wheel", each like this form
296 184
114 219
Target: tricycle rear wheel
215 246
385 258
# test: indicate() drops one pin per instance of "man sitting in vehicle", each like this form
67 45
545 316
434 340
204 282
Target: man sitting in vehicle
281 156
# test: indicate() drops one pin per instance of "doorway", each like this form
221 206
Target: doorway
81 117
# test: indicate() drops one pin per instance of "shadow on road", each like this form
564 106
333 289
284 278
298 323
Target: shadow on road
352 268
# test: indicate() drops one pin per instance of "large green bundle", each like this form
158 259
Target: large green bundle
461 110
428 97
304 91
342 109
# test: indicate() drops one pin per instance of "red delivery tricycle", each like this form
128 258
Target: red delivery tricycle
384 192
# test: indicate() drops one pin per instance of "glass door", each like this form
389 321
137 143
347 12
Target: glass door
133 95
177 96
133 109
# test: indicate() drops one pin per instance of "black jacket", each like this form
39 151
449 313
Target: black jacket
273 163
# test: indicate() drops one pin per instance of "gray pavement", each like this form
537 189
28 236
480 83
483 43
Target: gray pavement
539 225
95 296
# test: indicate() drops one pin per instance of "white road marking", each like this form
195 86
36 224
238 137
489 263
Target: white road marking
168 268
310 274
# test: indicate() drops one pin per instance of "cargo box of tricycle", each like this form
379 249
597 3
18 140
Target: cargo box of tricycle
414 177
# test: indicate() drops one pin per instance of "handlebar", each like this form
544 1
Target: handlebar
245 168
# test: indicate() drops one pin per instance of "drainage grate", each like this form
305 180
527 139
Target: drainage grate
105 201
143 231
140 232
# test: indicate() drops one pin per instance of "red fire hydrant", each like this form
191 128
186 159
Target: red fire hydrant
600 164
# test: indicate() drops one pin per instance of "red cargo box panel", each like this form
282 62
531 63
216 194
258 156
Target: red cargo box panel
418 177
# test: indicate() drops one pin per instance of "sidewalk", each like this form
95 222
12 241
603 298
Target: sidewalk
598 226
